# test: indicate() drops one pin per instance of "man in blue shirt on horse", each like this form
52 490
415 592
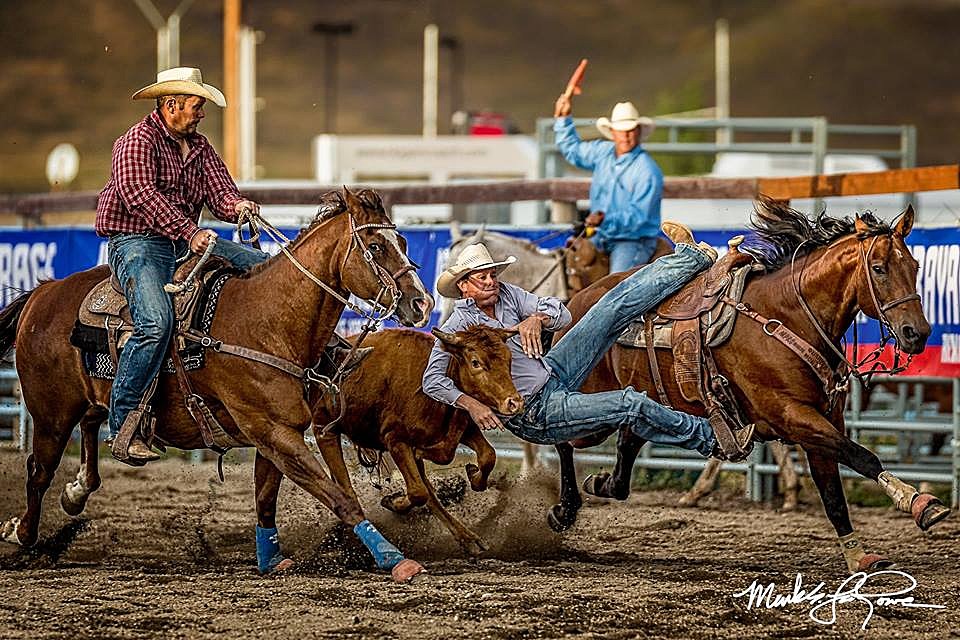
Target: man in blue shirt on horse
627 183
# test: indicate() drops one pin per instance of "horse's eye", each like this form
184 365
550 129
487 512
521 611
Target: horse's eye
376 247
878 269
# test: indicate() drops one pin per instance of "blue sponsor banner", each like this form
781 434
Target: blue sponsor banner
28 256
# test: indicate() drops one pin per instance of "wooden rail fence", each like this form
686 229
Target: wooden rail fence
30 206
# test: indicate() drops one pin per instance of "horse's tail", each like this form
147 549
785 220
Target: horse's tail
9 318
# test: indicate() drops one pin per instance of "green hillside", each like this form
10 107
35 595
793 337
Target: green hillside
69 67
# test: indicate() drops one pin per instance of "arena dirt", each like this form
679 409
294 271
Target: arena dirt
167 551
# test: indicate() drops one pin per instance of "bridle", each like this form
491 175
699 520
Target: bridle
871 361
372 319
388 281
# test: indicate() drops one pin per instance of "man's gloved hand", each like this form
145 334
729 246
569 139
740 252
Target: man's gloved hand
200 240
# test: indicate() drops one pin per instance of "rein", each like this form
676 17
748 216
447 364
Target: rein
373 319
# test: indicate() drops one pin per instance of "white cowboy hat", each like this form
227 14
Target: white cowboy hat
185 80
624 118
474 258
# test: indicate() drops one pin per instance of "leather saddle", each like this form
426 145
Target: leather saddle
691 322
107 302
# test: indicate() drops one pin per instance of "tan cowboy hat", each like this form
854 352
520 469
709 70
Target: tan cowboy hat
185 80
474 258
624 118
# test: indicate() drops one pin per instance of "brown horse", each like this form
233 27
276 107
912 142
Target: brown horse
388 411
584 263
352 247
839 267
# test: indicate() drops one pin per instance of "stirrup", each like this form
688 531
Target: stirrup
740 448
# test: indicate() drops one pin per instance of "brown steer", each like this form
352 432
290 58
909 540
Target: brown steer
388 411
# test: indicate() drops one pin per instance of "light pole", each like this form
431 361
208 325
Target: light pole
453 44
168 32
330 31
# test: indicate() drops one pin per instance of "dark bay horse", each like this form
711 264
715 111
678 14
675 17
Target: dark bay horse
277 308
838 267
388 411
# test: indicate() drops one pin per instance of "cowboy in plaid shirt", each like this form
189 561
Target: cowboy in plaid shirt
163 172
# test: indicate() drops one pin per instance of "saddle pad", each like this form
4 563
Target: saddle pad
92 341
718 321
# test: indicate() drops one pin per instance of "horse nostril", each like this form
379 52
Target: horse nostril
909 333
423 305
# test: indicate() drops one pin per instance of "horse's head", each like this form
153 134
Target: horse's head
887 283
584 264
483 366
376 267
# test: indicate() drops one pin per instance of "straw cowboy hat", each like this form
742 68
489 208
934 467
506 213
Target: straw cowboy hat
185 80
474 258
624 118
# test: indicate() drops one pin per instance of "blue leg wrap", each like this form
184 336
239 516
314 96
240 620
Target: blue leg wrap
268 549
385 554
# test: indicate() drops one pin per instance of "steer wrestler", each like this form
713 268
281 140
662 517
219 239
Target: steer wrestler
554 410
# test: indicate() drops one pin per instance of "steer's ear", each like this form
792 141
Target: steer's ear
448 339
505 334
905 223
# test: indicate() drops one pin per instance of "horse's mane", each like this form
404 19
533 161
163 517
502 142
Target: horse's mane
331 204
779 232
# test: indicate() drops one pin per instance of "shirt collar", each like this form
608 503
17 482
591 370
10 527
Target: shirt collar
629 156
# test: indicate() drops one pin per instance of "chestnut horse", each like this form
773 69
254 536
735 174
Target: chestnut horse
388 411
833 267
352 247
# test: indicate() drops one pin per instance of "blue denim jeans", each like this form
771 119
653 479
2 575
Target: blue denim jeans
143 263
559 412
626 254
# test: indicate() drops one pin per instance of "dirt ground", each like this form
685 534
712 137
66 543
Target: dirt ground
167 551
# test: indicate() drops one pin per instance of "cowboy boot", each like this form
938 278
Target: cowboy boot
137 453
679 233
744 445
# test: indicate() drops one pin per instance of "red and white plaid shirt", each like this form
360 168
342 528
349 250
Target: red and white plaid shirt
153 189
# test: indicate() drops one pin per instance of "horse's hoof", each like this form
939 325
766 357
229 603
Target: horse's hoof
594 484
474 548
284 565
8 533
71 507
406 570
687 500
927 511
789 505
477 481
390 503
874 562
558 520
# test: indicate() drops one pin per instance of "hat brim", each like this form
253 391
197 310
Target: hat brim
173 87
447 282
606 127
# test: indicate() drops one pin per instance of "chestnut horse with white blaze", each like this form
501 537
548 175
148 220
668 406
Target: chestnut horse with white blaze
278 308
819 275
